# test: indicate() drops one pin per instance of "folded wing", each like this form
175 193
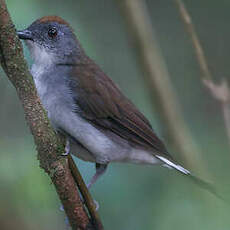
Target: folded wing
102 103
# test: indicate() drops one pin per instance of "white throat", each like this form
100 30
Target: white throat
41 58
42 63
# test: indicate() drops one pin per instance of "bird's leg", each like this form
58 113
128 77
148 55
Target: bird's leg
100 170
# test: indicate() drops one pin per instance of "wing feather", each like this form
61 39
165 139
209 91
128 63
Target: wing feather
102 103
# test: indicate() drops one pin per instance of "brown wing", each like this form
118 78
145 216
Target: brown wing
103 104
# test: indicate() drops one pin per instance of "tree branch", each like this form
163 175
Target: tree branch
219 92
49 144
195 40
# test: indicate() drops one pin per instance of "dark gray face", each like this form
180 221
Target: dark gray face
51 40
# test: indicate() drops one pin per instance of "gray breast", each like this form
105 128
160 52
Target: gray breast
95 145
52 88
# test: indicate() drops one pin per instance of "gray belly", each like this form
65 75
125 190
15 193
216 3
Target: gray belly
96 145
80 151
92 144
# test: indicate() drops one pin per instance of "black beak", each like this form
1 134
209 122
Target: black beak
25 34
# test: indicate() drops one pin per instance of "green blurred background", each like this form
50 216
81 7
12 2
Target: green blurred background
131 197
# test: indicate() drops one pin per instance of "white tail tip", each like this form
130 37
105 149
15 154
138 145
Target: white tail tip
172 165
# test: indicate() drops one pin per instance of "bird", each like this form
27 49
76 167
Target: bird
100 123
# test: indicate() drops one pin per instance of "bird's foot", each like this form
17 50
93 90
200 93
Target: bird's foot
67 149
96 204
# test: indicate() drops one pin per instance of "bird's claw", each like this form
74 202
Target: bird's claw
96 204
67 149
65 154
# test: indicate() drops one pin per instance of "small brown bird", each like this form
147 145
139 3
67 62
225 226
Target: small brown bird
82 102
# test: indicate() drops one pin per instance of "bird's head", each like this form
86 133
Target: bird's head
51 39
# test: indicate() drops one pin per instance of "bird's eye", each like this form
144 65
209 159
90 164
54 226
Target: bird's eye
52 32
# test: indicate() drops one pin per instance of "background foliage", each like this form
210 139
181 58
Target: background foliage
130 196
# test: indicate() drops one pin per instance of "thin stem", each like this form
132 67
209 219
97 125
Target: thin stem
85 193
220 92
195 40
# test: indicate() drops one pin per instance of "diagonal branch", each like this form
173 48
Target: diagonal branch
195 40
219 92
85 194
49 144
